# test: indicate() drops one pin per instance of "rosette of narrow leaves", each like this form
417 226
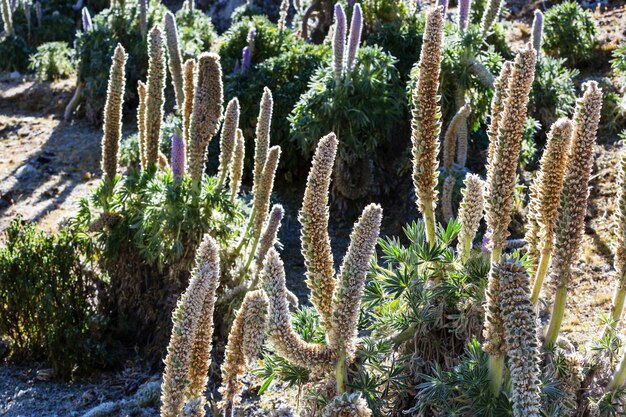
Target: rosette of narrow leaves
339 42
313 216
262 141
545 195
426 123
280 331
236 168
113 114
450 139
154 95
245 341
500 95
520 334
470 213
175 59
537 31
228 138
573 205
206 112
190 311
502 167
189 71
347 405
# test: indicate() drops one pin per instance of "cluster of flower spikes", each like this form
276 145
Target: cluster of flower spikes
344 61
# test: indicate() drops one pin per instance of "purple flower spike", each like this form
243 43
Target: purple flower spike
38 13
78 5
339 41
351 2
86 19
484 247
246 60
464 12
13 5
356 26
178 156
444 4
537 34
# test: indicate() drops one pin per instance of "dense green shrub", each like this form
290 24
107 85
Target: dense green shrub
268 42
51 61
47 298
553 94
569 32
287 75
618 63
94 49
362 109
15 52
145 231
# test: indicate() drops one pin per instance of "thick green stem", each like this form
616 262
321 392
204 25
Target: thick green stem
496 373
619 377
542 269
467 249
496 253
556 319
618 301
340 373
429 221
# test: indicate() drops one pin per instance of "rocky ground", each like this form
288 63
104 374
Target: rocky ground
47 165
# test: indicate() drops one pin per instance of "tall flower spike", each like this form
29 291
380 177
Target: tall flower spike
426 123
154 95
347 405
176 61
620 250
189 70
573 205
500 95
268 237
85 17
464 12
141 123
470 214
7 17
339 42
202 286
178 157
545 195
143 18
537 33
350 284
206 112
280 332
236 168
245 341
313 217
228 138
520 333
246 59
113 114
501 176
356 27
446 198
443 5
261 201
262 142
490 15
282 15
501 171
449 144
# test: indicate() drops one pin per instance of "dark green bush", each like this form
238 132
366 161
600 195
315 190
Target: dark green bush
553 94
287 75
569 32
15 52
53 60
267 43
47 298
362 109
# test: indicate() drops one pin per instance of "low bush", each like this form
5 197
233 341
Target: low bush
569 32
47 298
53 60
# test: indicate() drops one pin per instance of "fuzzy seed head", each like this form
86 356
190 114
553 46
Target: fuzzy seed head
236 168
268 237
351 280
356 27
229 136
262 142
175 59
470 210
500 95
261 201
537 33
449 144
426 123
313 217
154 95
339 42
501 174
113 114
282 15
206 112
189 70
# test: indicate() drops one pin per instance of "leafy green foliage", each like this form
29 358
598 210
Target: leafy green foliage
195 32
16 52
569 32
618 63
51 61
553 94
46 298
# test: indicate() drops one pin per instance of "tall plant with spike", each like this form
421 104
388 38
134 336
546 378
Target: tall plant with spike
154 96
